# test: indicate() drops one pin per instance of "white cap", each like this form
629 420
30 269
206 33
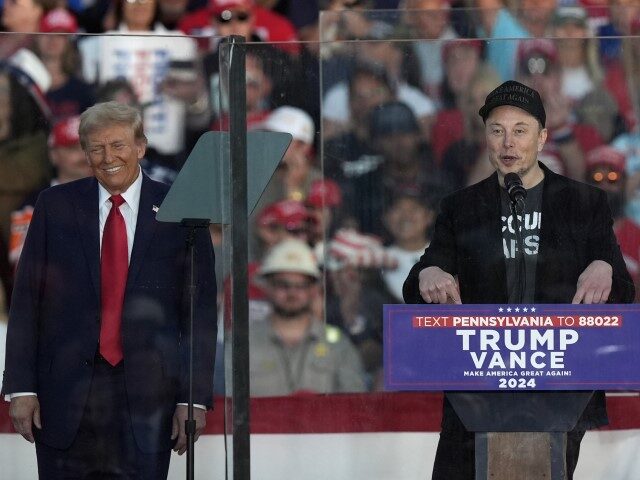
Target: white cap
291 120
31 65
290 256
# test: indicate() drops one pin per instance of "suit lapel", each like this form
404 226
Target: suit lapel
491 224
86 205
554 221
145 227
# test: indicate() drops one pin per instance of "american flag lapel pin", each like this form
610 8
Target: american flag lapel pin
155 209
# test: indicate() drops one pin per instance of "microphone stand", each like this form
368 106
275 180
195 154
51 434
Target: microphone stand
517 194
522 274
190 424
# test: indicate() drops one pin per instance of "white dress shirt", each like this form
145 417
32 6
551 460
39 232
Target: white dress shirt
129 210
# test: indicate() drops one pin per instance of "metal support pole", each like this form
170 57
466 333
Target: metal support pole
240 257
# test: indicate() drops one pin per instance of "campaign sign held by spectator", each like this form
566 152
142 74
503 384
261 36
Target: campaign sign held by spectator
511 347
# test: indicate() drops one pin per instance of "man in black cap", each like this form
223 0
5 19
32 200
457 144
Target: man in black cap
405 161
568 250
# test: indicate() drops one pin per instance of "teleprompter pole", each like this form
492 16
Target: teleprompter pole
239 234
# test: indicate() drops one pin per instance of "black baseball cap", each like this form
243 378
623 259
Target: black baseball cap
517 95
392 117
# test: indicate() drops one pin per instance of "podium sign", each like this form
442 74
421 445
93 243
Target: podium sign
511 347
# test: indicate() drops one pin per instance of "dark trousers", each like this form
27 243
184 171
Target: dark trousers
104 447
455 456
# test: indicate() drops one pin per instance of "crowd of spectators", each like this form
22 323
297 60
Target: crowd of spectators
381 99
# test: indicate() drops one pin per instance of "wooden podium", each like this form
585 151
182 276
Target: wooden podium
520 435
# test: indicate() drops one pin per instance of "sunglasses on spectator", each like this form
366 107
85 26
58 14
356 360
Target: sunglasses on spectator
228 16
601 177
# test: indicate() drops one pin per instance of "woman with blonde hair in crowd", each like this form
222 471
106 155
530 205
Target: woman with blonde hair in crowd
582 73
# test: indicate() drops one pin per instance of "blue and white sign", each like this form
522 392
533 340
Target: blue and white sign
512 347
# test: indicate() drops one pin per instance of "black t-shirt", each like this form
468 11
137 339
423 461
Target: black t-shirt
530 221
70 99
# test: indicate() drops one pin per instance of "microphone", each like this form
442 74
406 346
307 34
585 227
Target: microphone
516 191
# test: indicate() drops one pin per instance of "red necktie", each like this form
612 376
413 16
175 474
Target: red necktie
113 278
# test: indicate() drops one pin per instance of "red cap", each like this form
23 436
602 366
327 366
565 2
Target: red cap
536 55
58 20
216 7
608 156
324 193
65 133
289 214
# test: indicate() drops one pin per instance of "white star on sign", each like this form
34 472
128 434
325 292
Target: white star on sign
533 309
508 309
517 309
525 309
501 309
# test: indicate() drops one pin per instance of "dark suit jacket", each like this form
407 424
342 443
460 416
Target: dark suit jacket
576 230
54 321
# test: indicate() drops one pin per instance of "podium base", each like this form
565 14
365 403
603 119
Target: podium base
521 455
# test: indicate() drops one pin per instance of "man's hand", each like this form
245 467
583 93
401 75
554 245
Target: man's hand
25 412
437 286
179 417
594 284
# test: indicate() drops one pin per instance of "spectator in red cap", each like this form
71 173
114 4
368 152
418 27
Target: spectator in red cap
233 17
245 18
65 152
323 203
605 168
68 95
275 223
280 220
70 163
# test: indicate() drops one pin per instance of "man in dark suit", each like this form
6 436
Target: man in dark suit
97 338
569 250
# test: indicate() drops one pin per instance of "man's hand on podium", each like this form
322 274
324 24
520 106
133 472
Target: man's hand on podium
594 284
438 286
